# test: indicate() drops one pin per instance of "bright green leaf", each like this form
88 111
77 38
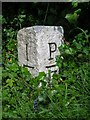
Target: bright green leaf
78 11
74 4
10 82
72 18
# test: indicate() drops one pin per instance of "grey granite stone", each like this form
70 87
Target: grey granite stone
38 47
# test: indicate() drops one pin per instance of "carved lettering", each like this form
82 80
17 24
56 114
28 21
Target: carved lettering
28 66
52 49
27 52
50 66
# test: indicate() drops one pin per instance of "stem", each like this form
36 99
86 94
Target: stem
86 36
84 33
66 91
46 14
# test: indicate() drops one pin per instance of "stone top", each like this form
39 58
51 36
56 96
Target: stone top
38 47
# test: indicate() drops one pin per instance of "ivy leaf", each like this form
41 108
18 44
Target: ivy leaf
74 4
72 18
78 11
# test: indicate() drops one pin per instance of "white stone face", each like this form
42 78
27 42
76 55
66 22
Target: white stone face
38 47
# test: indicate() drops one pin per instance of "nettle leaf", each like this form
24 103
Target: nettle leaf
41 75
69 51
10 82
14 67
78 46
86 51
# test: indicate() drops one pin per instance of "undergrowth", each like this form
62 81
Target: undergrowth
65 95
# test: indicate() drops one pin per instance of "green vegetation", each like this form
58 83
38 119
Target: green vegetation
67 94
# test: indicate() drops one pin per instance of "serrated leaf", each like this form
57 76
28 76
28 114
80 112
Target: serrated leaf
41 75
14 67
85 50
10 82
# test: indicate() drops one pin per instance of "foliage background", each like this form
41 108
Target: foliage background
68 94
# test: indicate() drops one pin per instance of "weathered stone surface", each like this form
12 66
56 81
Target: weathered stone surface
38 47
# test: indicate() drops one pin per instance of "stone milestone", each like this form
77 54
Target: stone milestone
38 48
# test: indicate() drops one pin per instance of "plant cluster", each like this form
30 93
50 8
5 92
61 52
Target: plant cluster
66 94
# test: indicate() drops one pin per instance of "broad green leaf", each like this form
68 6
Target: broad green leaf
69 51
14 67
72 18
78 11
86 51
41 76
10 82
74 4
